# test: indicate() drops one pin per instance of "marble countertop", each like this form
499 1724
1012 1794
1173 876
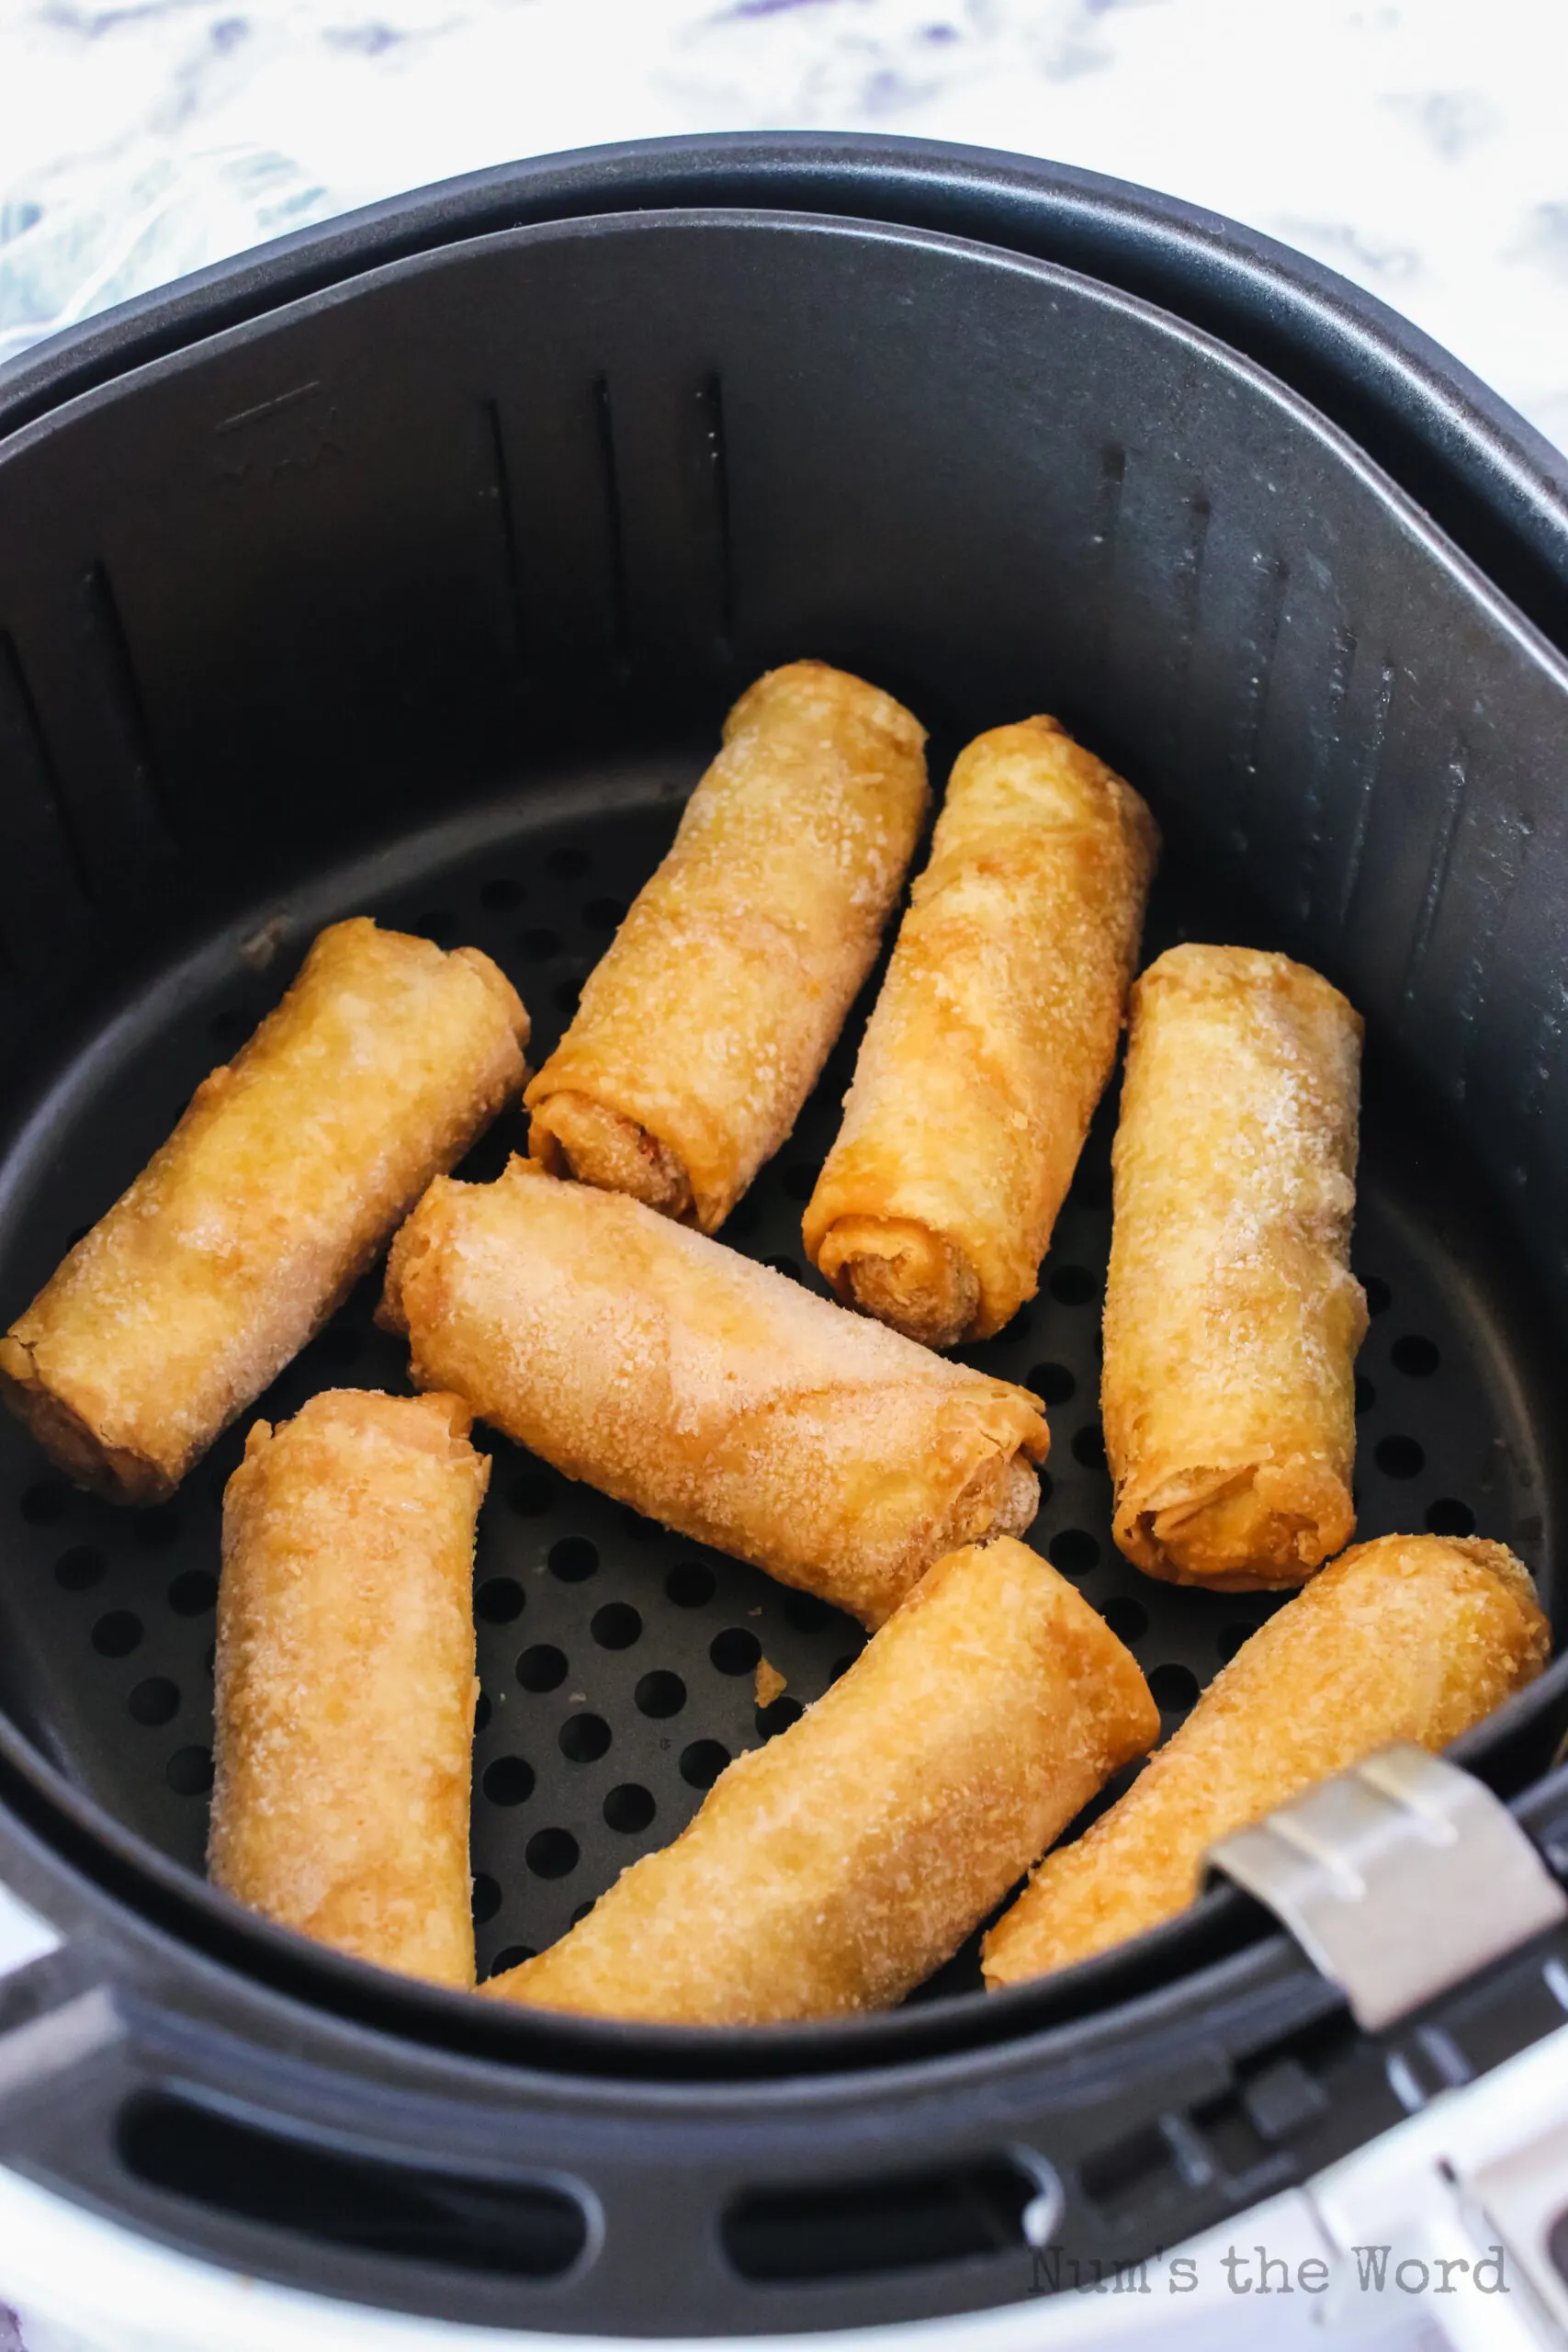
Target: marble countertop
1417 145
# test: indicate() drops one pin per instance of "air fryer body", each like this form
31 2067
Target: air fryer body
410 567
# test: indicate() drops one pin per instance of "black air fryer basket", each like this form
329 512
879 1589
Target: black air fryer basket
409 568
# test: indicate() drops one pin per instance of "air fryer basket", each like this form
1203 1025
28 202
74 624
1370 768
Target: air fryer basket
409 572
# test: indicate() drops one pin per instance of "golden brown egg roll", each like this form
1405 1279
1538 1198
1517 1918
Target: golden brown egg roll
1414 1637
246 1230
1232 1319
703 1030
706 1391
991 1041
832 1870
345 1678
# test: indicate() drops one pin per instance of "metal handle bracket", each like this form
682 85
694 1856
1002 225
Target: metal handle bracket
1398 1879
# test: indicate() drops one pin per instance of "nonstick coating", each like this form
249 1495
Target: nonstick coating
618 1660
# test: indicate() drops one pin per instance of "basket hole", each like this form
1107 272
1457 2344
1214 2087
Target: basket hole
117 1634
778 1716
603 914
551 1853
1380 1298
735 1651
1075 1551
574 1559
1072 1285
1230 1639
565 996
438 923
580 1911
190 1771
482 1713
568 861
616 1626
157 1530
701 1763
539 944
1091 1188
193 1592
1449 1516
499 1600
1174 1688
542 1667
660 1695
800 1181
80 1567
509 1780
1400 1458
154 1702
1366 1395
690 1585
486 1899
1089 1446
628 1808
806 1612
511 1957
499 896
641 1529
1052 1383
532 1495
1416 1357
1127 1618
841 1665
45 1502
584 1739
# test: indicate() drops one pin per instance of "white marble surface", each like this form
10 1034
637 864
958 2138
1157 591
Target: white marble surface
1420 146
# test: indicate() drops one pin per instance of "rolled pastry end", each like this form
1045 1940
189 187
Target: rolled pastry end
900 1272
1266 1527
571 1134
88 1460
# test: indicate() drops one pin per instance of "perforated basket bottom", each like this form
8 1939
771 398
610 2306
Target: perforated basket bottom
617 1660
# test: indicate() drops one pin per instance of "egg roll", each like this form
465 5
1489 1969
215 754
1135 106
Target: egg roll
707 1391
704 1028
1412 1637
832 1870
991 1041
345 1678
288 1170
1232 1317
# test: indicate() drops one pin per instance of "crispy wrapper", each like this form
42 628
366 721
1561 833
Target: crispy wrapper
1414 1637
703 1030
273 1195
991 1041
1232 1319
832 1870
345 1678
707 1391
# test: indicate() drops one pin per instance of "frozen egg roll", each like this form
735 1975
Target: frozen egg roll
289 1169
991 1041
1414 1637
345 1678
703 1030
706 1391
1232 1317
832 1870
